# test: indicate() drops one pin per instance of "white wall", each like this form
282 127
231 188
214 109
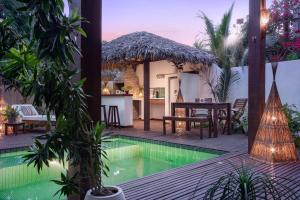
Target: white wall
190 82
190 86
287 79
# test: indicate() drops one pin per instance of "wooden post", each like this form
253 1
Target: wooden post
256 84
146 95
91 10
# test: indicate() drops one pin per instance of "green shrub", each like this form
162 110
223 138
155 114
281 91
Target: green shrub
292 56
10 114
293 116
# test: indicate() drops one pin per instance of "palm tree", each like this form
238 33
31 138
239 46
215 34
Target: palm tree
217 36
216 45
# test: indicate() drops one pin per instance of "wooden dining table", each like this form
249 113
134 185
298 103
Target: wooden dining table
214 107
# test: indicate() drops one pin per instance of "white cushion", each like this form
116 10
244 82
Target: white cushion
33 116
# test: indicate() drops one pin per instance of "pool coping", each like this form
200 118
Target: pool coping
173 144
150 140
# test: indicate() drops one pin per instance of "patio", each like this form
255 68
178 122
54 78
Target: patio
167 76
188 182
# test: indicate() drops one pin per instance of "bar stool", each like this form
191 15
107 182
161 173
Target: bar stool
113 117
103 110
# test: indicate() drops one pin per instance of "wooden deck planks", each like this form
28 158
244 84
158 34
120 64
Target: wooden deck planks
180 183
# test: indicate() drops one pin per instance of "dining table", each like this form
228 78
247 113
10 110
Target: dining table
215 108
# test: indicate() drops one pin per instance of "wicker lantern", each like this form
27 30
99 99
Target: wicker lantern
2 108
273 142
180 112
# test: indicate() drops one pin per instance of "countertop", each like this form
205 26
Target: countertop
117 95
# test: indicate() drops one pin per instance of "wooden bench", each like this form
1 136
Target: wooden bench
188 120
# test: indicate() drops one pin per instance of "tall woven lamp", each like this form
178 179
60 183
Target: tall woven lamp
273 142
2 108
180 112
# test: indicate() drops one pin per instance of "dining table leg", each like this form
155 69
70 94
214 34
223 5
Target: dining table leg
215 122
173 121
229 119
187 123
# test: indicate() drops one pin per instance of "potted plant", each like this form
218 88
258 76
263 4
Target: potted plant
10 114
99 155
126 89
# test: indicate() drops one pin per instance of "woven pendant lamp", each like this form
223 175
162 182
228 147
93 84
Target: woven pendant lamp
180 112
273 142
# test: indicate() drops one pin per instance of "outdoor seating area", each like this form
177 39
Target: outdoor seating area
129 100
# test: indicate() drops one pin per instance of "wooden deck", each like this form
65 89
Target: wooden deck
180 183
192 181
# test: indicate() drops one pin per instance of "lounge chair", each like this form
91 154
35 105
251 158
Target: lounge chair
30 116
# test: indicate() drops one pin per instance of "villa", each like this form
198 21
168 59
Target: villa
143 116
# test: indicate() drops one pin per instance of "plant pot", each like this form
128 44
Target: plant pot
119 195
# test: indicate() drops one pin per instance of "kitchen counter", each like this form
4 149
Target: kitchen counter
117 95
125 107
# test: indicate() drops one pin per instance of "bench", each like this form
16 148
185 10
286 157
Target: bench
188 120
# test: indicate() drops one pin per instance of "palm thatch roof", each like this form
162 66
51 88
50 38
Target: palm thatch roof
138 47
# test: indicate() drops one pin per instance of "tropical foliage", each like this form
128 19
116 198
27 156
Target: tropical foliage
284 30
293 116
216 44
243 183
39 65
10 114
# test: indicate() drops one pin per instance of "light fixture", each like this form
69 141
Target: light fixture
273 141
264 19
180 112
2 108
105 91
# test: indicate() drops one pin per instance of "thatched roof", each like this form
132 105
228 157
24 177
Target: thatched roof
143 46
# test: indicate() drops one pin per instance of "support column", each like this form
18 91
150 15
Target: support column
146 96
91 10
256 84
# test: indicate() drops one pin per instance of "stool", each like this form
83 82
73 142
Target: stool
113 117
103 110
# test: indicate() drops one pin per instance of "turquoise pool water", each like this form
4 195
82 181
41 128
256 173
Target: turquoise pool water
129 159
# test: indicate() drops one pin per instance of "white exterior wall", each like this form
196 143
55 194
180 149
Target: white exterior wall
287 79
193 86
167 68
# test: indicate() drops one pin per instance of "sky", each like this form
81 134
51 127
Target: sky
174 19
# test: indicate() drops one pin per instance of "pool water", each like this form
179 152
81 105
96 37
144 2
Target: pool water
129 159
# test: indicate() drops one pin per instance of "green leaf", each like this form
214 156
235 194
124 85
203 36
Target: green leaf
81 31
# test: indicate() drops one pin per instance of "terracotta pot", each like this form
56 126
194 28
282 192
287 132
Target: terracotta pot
117 196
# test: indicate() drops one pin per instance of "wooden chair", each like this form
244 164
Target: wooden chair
238 110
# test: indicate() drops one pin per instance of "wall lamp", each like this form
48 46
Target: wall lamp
264 19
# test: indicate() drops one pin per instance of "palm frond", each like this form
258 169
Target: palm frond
225 81
210 30
223 28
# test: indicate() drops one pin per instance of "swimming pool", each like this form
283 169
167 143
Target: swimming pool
129 159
